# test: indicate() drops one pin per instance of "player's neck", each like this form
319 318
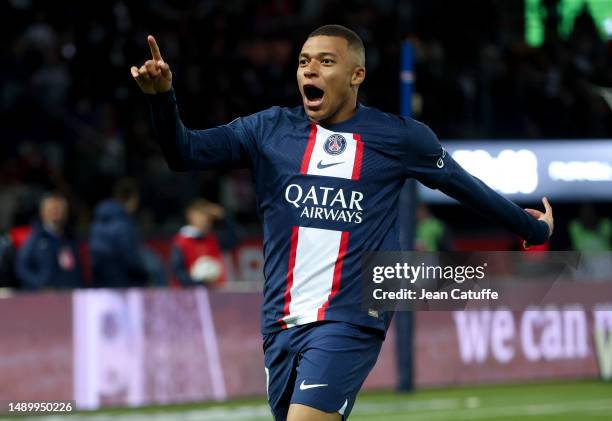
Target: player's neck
346 112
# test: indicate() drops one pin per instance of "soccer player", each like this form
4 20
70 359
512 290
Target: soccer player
328 175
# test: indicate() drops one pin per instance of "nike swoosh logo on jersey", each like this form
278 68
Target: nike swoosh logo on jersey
304 386
322 166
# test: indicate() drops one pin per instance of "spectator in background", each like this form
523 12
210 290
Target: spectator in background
49 257
589 232
592 236
197 251
431 234
114 243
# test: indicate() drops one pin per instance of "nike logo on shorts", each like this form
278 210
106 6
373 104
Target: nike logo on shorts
322 166
304 386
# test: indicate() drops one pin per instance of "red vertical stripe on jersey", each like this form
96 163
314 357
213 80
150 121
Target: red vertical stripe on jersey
358 157
292 253
337 274
312 139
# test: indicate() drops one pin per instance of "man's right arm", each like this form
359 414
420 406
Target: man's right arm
184 149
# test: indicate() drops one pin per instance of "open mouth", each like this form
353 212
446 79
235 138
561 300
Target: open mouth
314 95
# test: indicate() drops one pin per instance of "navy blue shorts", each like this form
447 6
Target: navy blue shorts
321 365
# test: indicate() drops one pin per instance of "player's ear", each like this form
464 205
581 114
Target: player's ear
358 76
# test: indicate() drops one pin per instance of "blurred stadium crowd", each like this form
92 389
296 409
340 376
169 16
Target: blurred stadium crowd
75 123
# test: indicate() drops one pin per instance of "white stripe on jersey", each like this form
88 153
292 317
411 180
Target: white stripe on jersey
313 273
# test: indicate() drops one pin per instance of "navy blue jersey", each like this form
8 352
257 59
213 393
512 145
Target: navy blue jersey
326 195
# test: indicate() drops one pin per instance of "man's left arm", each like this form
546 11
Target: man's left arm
429 163
532 225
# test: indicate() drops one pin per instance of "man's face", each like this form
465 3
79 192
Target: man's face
54 211
328 75
200 219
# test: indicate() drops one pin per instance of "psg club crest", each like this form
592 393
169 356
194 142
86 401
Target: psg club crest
335 144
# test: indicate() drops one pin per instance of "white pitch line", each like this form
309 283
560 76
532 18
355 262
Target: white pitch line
411 406
462 413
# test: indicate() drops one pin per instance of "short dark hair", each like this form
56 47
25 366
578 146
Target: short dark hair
54 194
126 189
199 205
354 41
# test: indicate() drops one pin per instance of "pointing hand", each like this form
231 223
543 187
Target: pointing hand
154 76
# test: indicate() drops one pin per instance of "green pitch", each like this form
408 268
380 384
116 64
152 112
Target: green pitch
551 401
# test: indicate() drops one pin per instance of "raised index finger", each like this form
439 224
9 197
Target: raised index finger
547 205
154 48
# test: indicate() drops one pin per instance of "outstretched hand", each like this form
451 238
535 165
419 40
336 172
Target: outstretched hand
546 216
154 76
